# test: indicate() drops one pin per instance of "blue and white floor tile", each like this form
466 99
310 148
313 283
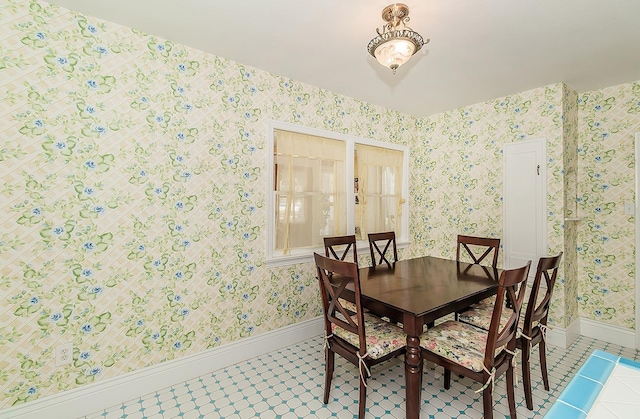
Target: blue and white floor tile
289 384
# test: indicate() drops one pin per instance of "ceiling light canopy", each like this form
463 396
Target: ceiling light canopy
397 42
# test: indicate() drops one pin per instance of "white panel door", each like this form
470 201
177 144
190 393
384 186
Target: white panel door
525 203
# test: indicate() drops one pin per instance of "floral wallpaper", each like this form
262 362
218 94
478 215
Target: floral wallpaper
134 182
458 165
133 194
608 121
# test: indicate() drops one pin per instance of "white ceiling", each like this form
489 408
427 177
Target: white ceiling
479 49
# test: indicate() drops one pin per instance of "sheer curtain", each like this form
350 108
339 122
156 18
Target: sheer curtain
309 191
379 173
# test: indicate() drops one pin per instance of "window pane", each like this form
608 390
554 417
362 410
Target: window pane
309 188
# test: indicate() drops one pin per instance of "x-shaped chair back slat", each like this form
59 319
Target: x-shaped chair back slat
538 312
475 245
389 241
334 277
511 287
333 247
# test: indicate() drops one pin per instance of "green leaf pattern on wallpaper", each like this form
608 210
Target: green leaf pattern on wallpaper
134 187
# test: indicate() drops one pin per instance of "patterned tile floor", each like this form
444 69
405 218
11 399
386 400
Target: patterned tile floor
289 384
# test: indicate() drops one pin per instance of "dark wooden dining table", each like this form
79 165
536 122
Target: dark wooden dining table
417 292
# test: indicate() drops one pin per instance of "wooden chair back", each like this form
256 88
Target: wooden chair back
478 248
388 240
511 287
539 312
333 247
334 276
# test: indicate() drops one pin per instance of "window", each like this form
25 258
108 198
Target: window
328 184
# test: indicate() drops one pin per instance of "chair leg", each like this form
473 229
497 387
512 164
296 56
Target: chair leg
543 363
447 379
362 403
526 373
511 397
487 403
328 372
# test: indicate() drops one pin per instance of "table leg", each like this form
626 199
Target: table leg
413 376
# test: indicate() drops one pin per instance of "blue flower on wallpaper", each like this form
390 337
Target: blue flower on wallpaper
155 336
87 328
246 236
32 390
140 323
284 305
186 243
187 106
182 67
89 246
58 230
598 313
178 275
229 287
92 84
62 60
40 35
177 298
184 311
100 129
160 47
60 145
597 209
55 317
177 345
178 227
141 248
102 50
87 272
92 28
180 89
186 175
97 290
34 300
179 205
90 164
604 135
250 328
98 209
95 370
597 261
244 316
144 99
159 118
245 296
180 136
179 158
157 190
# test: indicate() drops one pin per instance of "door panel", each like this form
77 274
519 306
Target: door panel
524 203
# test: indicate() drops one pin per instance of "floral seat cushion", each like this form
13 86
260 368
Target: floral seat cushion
382 337
457 342
479 315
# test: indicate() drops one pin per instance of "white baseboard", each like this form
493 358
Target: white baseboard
103 394
596 330
612 334
563 338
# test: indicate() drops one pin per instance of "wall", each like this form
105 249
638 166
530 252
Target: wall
608 121
458 164
134 185
134 182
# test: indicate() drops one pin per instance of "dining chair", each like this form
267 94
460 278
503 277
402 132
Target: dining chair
533 323
478 249
333 247
480 354
360 338
388 240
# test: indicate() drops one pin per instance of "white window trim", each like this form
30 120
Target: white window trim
274 258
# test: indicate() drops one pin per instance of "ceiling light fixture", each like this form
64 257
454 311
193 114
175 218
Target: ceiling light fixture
397 42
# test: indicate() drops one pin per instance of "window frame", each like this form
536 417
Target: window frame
276 258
